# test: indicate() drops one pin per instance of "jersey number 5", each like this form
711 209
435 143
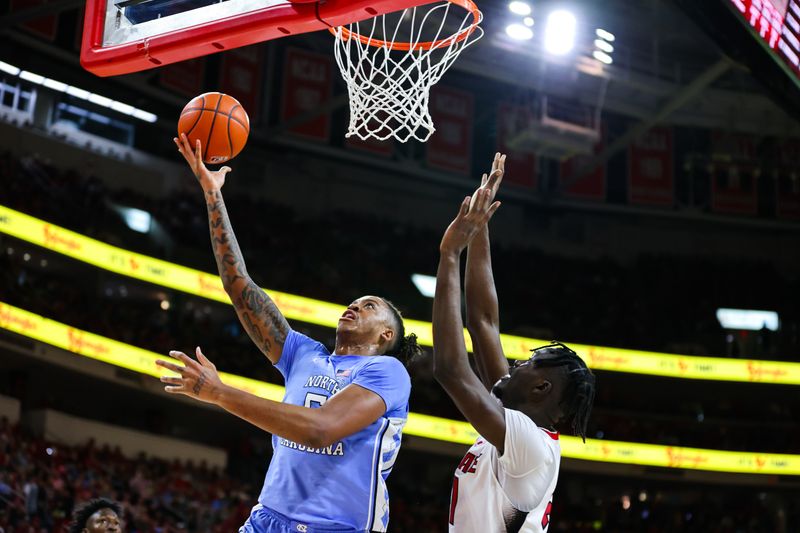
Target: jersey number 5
314 400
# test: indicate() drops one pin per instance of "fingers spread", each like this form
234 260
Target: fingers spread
202 358
171 366
171 380
188 361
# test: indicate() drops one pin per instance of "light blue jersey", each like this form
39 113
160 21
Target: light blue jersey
343 485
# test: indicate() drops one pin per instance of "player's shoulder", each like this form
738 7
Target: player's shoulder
306 342
385 364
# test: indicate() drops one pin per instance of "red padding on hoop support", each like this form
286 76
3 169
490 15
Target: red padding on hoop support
273 22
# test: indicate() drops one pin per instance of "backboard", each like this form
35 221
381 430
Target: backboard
123 36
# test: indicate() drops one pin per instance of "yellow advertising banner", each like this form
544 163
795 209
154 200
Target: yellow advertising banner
327 314
136 359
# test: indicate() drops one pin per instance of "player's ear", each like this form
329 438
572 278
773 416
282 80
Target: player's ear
542 388
387 335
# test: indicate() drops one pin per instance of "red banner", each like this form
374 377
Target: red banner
734 181
512 119
787 183
240 77
574 180
307 85
185 77
650 174
734 189
450 147
45 26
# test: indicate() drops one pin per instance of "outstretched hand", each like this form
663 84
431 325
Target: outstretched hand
493 180
197 379
473 215
209 180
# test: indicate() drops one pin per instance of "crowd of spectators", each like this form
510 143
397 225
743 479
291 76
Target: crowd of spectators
41 481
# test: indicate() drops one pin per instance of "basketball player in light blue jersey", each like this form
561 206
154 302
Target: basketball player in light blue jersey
337 432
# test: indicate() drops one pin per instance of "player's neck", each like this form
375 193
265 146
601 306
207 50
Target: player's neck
353 347
539 416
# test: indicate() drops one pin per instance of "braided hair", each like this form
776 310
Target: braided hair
578 396
405 347
82 514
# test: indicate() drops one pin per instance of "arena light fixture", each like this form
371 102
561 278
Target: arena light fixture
750 319
31 77
55 85
62 87
136 219
10 69
559 33
425 284
528 21
603 34
520 8
602 57
519 32
605 46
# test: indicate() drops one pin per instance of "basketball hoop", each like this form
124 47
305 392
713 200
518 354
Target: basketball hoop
391 65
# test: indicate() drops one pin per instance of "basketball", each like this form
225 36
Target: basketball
221 124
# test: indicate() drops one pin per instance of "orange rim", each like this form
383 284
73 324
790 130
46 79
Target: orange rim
469 5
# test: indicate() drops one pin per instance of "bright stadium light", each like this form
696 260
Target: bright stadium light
602 57
136 219
603 34
520 8
519 32
10 69
55 85
751 319
426 285
605 46
77 93
31 77
144 115
559 35
100 100
528 21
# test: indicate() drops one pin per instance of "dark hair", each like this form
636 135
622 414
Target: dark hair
578 395
82 513
405 348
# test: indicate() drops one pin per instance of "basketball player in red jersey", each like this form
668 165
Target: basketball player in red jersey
506 481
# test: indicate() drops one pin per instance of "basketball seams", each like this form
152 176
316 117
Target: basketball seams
230 117
241 122
197 120
213 121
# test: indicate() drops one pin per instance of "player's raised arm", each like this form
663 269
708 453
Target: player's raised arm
483 315
257 312
450 364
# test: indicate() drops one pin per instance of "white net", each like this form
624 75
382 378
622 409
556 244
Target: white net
390 63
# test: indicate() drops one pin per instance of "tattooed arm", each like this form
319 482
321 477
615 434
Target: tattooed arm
259 315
